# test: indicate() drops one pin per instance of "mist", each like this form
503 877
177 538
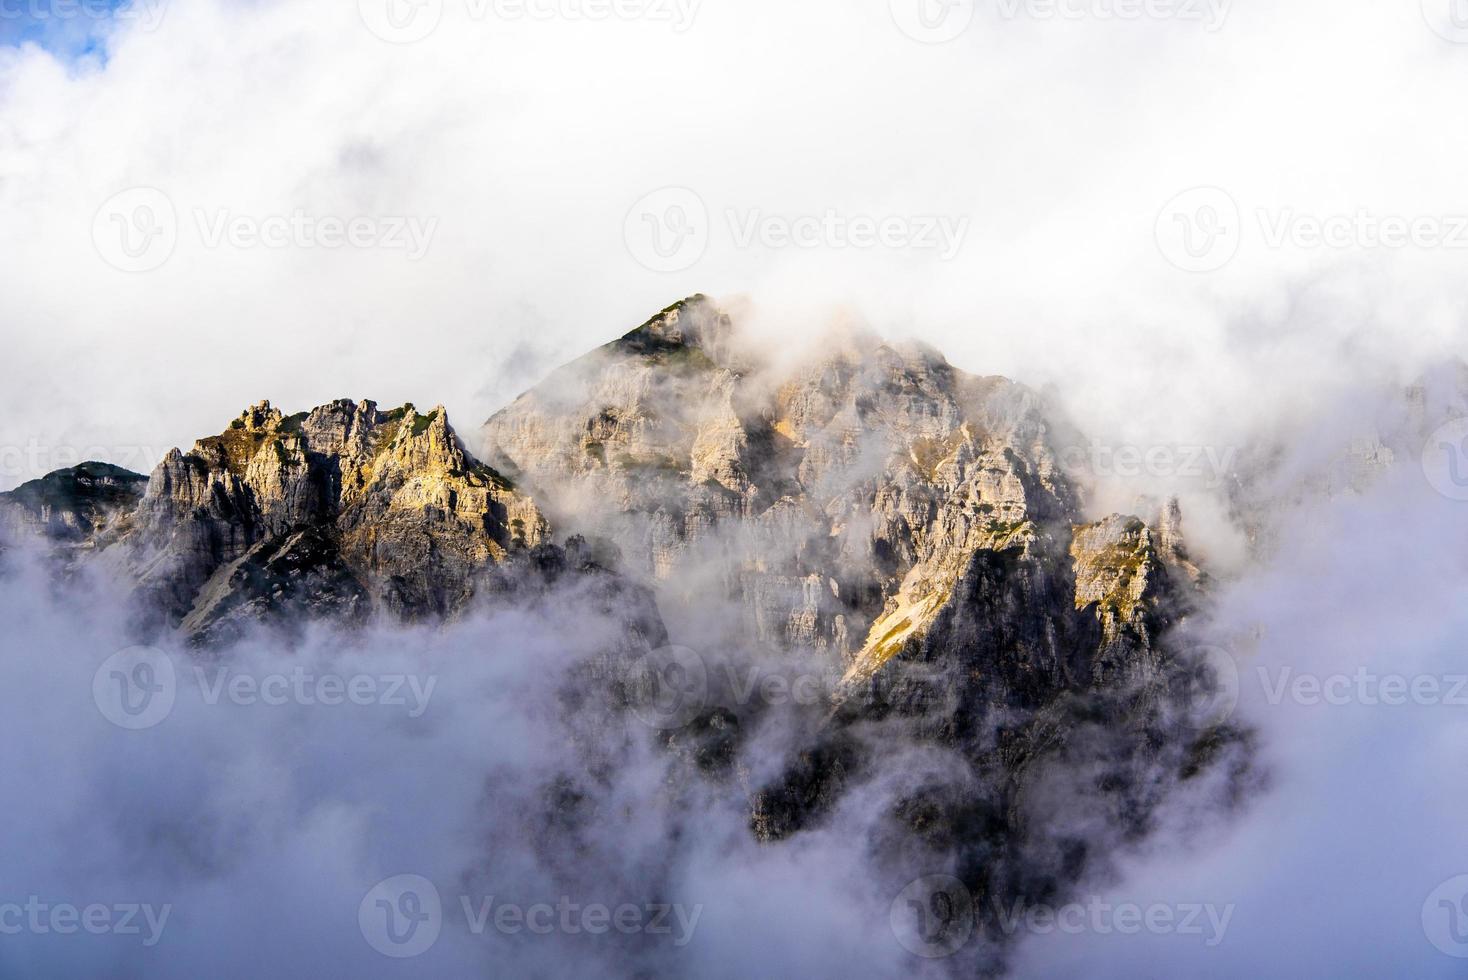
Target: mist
505 167
255 819
529 141
1331 871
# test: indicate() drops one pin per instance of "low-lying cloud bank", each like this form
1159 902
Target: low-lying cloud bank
395 800
460 799
1358 685
237 821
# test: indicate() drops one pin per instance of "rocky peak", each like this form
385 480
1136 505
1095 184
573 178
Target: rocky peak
76 505
866 508
260 418
842 495
692 328
893 517
377 509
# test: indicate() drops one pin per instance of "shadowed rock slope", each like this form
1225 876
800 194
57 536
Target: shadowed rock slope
839 501
343 512
1007 688
997 662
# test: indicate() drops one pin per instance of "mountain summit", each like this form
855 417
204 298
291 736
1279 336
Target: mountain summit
839 501
866 514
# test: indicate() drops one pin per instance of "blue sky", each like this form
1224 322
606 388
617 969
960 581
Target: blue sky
72 28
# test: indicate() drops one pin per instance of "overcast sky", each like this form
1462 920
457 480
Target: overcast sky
1007 195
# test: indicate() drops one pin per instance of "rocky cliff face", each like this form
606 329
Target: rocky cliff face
878 513
400 517
78 507
869 513
839 501
340 512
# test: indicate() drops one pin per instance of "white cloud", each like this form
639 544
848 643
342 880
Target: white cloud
529 139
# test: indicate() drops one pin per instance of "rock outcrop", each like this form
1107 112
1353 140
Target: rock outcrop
77 507
840 502
342 512
907 528
867 514
346 505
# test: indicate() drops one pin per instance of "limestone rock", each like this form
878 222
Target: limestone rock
840 497
872 509
380 510
79 506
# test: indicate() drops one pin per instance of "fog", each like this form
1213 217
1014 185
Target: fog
1330 870
514 153
527 141
254 820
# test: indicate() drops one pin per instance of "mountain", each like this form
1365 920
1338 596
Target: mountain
992 664
871 510
850 504
364 509
342 513
75 506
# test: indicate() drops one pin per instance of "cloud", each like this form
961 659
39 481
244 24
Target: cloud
280 788
1330 872
300 793
529 136
528 140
